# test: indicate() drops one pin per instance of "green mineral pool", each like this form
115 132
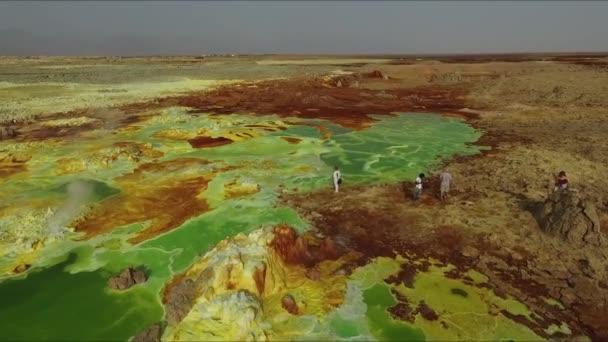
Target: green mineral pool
64 296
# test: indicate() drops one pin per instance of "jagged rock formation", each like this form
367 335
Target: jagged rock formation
572 218
180 298
251 281
127 278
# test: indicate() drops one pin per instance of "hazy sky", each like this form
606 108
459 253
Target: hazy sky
200 27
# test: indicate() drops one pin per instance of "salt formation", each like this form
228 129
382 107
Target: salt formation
254 286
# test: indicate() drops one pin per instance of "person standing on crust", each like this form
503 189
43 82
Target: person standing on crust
418 187
337 177
446 180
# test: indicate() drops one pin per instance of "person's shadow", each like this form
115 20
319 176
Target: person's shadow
528 204
408 192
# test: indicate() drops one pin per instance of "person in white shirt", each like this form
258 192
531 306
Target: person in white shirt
446 180
337 177
418 186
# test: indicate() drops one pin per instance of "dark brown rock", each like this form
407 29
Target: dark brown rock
567 215
179 301
180 294
425 311
402 311
127 278
150 334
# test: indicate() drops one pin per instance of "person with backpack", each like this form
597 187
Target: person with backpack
337 178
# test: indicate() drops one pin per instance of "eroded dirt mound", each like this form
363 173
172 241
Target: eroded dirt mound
572 218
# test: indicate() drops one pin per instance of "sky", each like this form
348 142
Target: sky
300 27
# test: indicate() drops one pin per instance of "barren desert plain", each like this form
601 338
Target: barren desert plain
190 198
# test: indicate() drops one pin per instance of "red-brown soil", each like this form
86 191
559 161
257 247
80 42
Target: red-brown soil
165 203
202 142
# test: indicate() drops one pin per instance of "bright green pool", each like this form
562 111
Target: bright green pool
65 297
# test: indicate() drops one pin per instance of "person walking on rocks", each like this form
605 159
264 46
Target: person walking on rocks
418 186
446 180
337 177
561 182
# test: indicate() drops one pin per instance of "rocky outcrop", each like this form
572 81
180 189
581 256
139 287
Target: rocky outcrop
572 218
248 281
180 298
150 334
231 262
230 316
127 278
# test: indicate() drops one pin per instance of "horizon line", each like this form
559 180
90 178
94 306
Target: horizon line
386 55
